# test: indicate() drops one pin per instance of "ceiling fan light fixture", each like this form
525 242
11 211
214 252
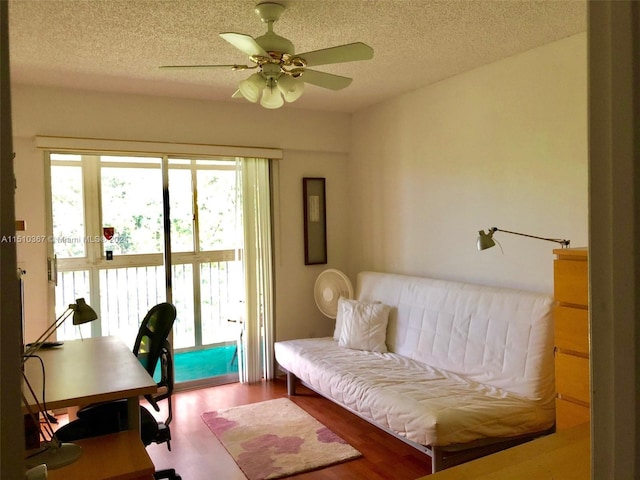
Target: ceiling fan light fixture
291 88
271 97
283 72
251 87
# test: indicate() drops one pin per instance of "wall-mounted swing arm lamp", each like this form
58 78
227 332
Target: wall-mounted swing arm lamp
485 239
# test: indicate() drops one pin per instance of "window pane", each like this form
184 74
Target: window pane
180 195
220 286
66 157
217 209
132 205
184 327
118 159
126 295
218 163
72 285
68 211
179 161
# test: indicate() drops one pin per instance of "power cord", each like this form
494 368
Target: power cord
49 417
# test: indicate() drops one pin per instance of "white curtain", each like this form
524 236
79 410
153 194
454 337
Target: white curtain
256 360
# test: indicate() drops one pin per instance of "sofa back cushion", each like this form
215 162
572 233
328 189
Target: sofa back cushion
496 336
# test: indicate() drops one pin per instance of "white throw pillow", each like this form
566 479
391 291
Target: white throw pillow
339 315
363 325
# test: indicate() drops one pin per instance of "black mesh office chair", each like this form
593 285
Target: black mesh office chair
151 347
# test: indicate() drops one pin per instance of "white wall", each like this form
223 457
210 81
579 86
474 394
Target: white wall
295 293
504 145
314 144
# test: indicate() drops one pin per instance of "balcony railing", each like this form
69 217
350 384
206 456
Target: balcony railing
205 293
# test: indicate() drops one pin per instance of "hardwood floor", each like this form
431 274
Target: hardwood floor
197 455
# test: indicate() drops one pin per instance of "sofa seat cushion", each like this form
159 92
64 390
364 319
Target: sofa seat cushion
426 405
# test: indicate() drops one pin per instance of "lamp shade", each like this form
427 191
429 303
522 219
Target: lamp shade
485 240
251 87
291 88
82 313
271 98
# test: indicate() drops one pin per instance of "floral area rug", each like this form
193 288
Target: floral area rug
276 438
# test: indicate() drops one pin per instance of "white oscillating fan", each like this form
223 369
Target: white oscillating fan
330 285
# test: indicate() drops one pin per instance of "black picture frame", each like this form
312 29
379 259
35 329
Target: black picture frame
315 220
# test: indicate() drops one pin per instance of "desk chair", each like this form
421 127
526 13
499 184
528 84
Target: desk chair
151 346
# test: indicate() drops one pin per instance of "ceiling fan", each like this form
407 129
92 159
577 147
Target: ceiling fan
282 73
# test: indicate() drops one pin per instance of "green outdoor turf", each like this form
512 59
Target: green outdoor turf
199 364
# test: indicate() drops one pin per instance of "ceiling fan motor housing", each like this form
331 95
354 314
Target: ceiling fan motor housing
271 70
269 13
272 42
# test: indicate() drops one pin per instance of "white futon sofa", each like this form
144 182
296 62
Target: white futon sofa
454 369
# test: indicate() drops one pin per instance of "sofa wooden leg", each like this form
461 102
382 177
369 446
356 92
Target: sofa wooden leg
291 384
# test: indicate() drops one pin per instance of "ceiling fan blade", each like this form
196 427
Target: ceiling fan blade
185 67
344 53
244 43
324 80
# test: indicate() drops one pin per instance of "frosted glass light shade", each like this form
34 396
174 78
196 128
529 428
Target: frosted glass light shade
271 98
291 88
251 87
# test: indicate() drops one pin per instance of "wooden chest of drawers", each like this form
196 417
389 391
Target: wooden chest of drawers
571 290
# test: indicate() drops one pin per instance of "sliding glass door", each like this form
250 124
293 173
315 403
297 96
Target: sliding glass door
107 223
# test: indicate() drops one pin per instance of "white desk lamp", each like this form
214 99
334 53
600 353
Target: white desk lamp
54 453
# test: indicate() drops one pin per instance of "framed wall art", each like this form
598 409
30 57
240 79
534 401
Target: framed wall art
315 221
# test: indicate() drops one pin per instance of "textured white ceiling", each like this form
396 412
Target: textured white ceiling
117 45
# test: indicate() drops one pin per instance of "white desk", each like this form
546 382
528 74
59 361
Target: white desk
87 371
